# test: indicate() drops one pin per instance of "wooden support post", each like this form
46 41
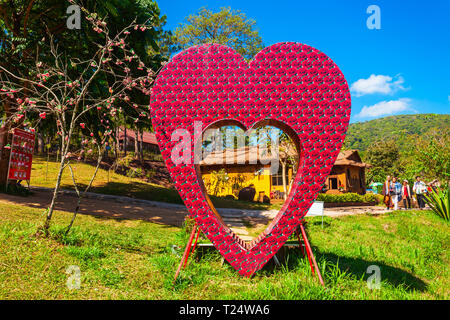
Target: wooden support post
300 242
312 260
193 247
186 253
310 254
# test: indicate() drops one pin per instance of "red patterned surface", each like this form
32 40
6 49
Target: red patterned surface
292 83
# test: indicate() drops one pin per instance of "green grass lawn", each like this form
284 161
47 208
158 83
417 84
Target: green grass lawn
133 259
116 184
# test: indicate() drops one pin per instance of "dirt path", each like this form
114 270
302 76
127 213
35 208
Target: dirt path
103 208
168 214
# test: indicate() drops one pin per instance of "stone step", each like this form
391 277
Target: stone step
236 225
239 231
247 238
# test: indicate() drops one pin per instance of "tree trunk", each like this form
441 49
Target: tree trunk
40 143
125 140
5 138
116 144
80 195
4 155
136 143
141 149
55 195
283 177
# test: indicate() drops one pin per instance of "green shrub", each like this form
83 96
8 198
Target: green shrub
348 197
150 173
371 197
125 161
134 173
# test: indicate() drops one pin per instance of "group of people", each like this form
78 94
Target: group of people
394 192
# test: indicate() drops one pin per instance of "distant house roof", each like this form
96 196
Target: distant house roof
350 158
148 137
243 155
249 155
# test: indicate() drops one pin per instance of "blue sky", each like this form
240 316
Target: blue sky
402 68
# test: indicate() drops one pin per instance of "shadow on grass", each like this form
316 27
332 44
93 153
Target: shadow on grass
392 275
355 267
120 211
137 190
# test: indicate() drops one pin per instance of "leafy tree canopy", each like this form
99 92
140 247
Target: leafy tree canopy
400 128
228 27
404 146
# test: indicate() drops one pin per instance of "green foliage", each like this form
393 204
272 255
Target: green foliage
218 182
403 146
348 197
134 173
237 183
125 161
432 153
135 259
24 37
383 156
401 129
439 202
228 27
150 173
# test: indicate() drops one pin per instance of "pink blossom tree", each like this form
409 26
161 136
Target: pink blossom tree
72 92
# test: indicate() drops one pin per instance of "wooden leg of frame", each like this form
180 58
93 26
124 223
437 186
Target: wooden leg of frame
310 254
193 247
186 253
300 242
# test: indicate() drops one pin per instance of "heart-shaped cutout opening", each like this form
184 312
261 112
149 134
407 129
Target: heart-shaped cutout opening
247 175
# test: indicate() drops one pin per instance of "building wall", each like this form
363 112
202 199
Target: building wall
244 176
241 177
280 187
348 179
354 180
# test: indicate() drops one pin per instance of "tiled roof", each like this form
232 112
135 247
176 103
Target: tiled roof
148 137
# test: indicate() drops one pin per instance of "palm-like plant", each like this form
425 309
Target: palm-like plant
439 202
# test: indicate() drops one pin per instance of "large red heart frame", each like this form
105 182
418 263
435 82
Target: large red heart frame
289 85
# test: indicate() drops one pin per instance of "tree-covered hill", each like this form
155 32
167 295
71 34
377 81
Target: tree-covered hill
399 128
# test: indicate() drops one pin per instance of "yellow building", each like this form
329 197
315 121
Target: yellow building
227 179
243 168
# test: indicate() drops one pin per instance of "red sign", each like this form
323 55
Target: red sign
291 84
21 156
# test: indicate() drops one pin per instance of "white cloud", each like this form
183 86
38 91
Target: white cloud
385 108
377 84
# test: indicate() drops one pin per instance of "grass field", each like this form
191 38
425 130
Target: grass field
133 259
44 175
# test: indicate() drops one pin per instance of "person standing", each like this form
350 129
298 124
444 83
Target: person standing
406 195
433 186
387 192
420 188
396 192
